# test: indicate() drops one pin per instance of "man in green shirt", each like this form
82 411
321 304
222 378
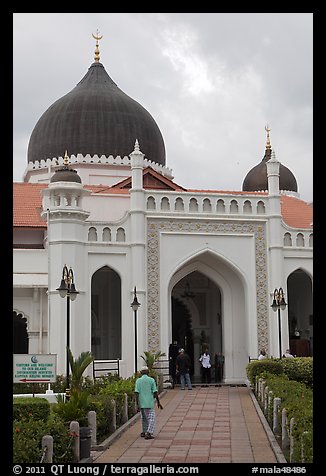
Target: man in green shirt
146 393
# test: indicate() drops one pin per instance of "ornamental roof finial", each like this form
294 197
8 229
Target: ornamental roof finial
66 159
268 143
97 51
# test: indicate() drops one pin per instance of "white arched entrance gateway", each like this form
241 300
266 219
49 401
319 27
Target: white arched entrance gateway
231 314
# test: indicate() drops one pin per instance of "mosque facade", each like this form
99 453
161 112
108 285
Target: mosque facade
99 206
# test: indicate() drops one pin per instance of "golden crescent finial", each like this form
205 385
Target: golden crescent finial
66 159
97 51
268 143
97 37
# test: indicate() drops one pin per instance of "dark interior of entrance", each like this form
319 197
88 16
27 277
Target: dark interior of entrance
181 329
20 335
196 319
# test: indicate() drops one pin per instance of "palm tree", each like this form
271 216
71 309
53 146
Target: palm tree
151 358
78 367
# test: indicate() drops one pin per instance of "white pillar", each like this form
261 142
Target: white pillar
137 242
66 238
275 254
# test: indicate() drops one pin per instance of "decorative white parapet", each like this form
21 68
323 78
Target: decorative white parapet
51 165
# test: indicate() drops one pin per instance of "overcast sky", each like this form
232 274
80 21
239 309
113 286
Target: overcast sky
212 81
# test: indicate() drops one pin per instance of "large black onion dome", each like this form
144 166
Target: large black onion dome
96 117
256 178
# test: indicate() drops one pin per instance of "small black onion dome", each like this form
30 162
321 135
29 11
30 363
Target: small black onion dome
256 178
96 117
65 174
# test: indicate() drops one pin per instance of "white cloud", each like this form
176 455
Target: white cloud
211 81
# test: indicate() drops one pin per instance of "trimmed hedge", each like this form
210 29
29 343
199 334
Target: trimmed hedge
258 367
31 407
297 398
299 369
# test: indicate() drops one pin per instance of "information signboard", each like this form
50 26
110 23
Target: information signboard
35 368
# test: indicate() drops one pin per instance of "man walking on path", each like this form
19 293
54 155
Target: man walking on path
183 367
146 394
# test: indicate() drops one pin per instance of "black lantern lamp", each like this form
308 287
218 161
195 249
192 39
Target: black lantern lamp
278 304
135 305
67 289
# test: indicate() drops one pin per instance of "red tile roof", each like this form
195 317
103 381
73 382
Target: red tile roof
296 213
28 204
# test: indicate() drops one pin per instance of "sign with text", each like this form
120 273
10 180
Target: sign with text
35 368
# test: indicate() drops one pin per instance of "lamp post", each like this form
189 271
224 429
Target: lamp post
135 305
67 290
278 304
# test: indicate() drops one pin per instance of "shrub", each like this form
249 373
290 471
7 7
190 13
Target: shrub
29 407
74 409
299 369
258 367
298 401
27 440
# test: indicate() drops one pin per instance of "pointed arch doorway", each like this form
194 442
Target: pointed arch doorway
231 320
196 318
20 334
106 314
300 313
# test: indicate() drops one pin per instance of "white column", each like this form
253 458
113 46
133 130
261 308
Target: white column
275 254
137 243
66 238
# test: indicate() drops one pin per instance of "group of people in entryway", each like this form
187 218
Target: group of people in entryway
180 364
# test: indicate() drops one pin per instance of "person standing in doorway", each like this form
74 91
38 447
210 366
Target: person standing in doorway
146 394
219 365
182 364
173 354
205 361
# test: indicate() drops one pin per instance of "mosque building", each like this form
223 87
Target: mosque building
99 206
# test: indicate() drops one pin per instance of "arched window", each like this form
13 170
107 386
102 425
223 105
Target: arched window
311 242
220 206
260 207
106 235
247 208
179 205
300 239
92 234
287 240
165 204
121 234
207 207
106 314
234 206
193 205
151 203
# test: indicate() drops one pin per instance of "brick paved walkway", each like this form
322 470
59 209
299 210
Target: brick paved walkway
204 425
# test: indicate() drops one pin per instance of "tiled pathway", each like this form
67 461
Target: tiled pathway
204 425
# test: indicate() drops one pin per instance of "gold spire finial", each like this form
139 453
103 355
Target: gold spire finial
97 51
268 142
66 159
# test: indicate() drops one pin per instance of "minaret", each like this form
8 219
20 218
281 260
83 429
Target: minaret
276 271
273 167
137 227
62 206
